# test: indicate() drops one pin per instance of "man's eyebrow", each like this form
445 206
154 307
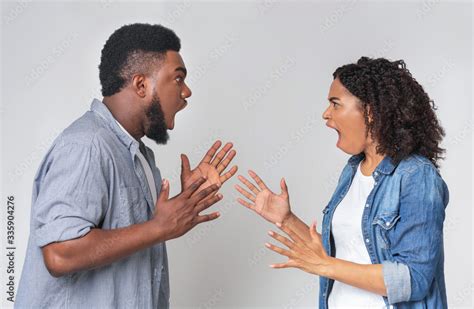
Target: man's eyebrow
331 99
182 69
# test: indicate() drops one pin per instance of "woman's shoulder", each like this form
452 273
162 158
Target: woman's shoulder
415 163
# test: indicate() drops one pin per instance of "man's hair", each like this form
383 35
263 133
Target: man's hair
403 115
132 49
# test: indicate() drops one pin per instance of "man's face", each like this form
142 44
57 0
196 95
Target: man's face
170 88
168 97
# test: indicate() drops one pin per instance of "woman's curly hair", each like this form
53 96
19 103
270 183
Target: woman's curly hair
402 116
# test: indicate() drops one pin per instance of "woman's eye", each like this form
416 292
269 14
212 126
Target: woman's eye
179 79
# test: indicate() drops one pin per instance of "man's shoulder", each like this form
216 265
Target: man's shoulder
89 130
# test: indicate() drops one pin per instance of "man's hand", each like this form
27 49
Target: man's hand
176 216
212 167
271 206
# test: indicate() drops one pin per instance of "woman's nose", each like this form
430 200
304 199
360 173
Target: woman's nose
326 114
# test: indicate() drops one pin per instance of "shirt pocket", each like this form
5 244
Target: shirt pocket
133 207
383 224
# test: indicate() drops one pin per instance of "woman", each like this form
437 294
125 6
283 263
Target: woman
382 230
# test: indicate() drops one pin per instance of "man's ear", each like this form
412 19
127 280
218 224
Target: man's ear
139 85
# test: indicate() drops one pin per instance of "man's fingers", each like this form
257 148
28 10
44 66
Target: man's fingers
248 184
246 204
205 193
245 193
165 191
208 203
185 165
258 180
229 174
221 154
211 152
278 249
205 218
194 186
224 163
281 239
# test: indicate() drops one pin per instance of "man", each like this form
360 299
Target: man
101 213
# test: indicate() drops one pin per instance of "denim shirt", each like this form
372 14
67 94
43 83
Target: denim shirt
402 225
91 178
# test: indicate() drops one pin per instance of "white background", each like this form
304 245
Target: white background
260 73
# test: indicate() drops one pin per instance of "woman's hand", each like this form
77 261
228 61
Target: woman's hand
308 256
271 206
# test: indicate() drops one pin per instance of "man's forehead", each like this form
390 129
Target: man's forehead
173 60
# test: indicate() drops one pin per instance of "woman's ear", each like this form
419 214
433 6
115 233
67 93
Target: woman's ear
369 114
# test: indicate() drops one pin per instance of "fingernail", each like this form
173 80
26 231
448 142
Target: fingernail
278 224
267 245
270 233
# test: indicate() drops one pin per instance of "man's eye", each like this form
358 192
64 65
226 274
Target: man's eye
179 79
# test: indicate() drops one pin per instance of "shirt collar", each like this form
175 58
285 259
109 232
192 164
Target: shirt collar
387 166
101 109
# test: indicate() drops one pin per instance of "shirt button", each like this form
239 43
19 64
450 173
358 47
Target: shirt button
375 183
375 174
367 240
387 223
367 205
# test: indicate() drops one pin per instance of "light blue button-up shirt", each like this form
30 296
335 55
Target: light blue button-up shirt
91 177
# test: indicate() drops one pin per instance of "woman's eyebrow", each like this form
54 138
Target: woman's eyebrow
331 99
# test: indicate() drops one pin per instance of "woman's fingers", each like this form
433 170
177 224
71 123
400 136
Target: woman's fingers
248 184
281 239
284 187
280 265
314 233
279 250
290 233
289 263
258 180
245 193
246 204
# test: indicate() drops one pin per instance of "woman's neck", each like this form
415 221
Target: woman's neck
371 160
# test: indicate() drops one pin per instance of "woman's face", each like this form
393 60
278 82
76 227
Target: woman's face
346 116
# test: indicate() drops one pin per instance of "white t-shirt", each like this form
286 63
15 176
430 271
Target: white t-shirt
146 167
349 243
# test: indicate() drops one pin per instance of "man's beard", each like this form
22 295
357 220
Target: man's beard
156 129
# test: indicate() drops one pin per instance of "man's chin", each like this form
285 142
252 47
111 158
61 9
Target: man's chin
160 139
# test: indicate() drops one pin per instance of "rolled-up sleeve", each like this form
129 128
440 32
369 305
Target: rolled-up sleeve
72 194
417 240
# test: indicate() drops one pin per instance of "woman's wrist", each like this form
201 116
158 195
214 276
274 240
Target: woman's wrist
289 219
326 269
